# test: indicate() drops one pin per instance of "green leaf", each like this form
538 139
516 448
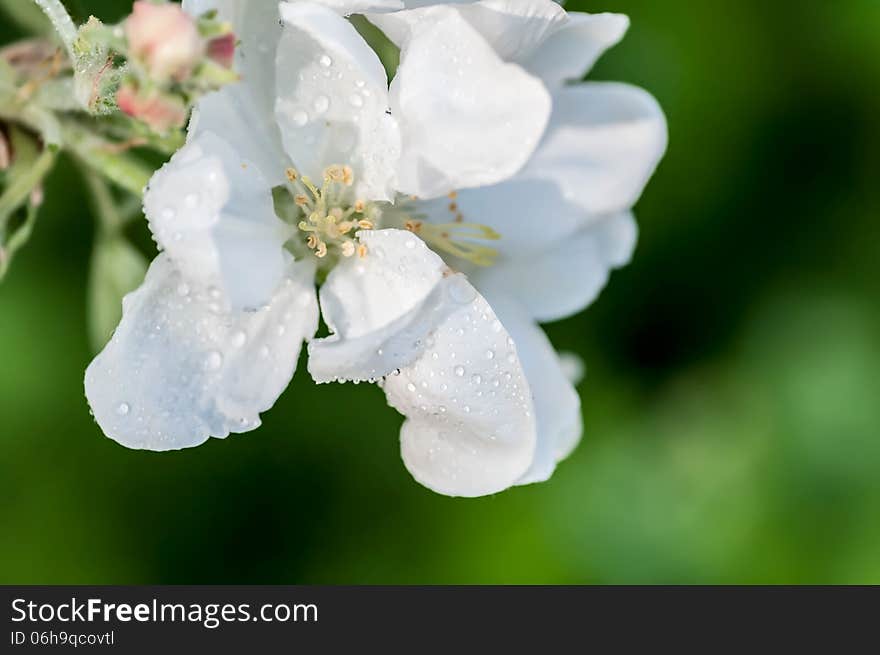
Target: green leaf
117 268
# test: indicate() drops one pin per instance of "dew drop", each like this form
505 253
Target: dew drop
459 371
213 361
300 118
167 214
490 354
476 379
410 387
460 291
321 104
239 338
356 100
325 61
123 409
183 289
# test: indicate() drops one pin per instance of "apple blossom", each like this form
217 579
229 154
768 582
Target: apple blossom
443 213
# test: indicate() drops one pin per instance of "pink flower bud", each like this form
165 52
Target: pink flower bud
164 38
222 50
161 112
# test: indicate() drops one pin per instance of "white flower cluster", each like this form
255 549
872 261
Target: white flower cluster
445 214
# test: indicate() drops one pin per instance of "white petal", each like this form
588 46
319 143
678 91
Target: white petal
243 112
181 368
467 118
557 404
528 214
565 277
470 428
213 213
332 100
570 51
603 144
514 28
347 7
380 308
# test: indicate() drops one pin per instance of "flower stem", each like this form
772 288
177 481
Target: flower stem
110 220
62 22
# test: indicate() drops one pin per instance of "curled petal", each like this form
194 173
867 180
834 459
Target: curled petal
380 308
332 99
572 49
467 118
212 212
557 405
181 368
470 427
514 28
604 141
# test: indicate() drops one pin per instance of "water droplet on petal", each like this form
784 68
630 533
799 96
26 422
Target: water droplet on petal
356 100
321 104
460 291
239 338
490 354
476 379
213 361
300 118
123 409
459 371
325 61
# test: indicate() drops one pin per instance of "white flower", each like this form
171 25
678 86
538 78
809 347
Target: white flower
212 337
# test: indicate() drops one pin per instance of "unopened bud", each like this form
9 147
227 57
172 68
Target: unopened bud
161 112
222 50
165 39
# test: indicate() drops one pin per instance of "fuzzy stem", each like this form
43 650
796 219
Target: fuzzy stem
61 21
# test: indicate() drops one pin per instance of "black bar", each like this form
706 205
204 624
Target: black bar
418 619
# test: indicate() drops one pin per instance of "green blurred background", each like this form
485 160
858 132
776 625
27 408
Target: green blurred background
730 402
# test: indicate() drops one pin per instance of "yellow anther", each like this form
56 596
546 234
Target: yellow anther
347 175
345 227
312 241
335 173
321 252
291 174
348 249
301 200
360 206
336 213
362 251
453 195
453 207
364 224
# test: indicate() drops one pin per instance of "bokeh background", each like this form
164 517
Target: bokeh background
730 402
